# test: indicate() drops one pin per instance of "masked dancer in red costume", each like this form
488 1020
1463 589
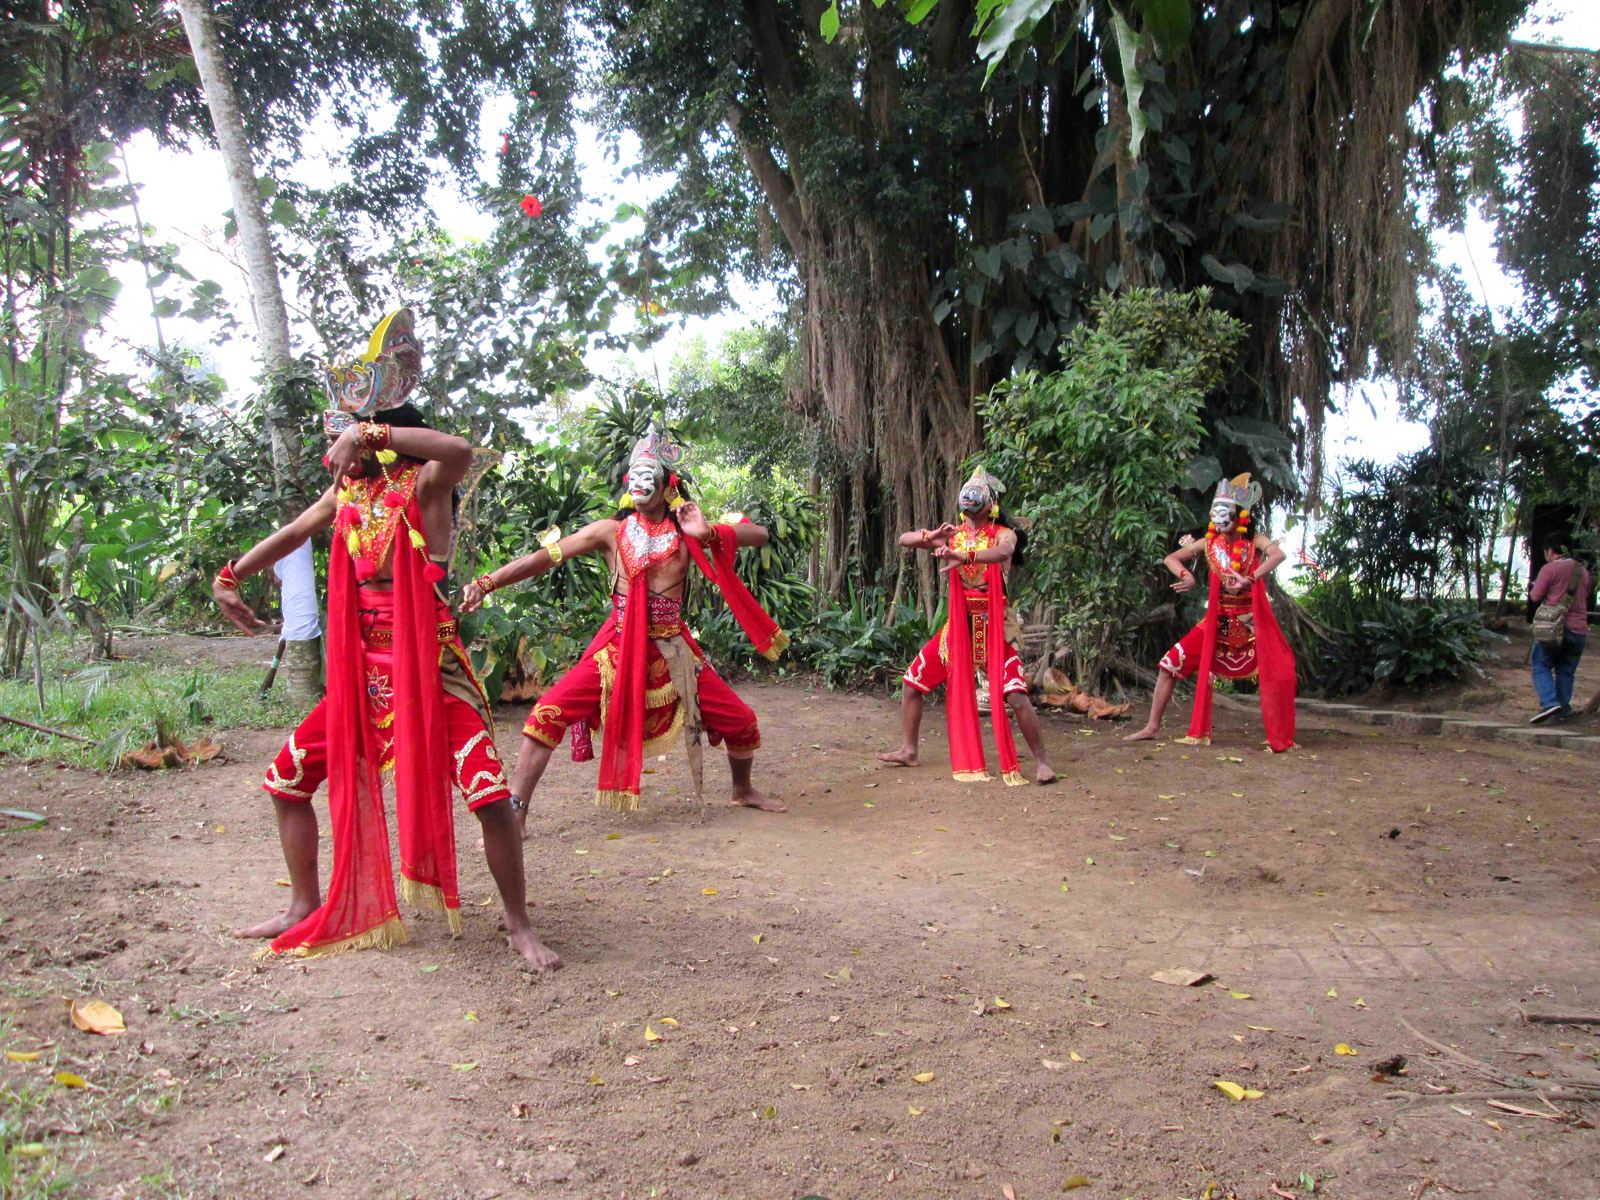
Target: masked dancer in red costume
980 550
401 694
645 681
1239 637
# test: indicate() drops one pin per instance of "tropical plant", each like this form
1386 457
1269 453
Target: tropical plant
1098 453
1411 644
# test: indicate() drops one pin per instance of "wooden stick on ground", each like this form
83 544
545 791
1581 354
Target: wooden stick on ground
1562 1018
72 737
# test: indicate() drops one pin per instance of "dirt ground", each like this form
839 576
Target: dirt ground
904 986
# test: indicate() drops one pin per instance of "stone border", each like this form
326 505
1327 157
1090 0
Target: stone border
1435 724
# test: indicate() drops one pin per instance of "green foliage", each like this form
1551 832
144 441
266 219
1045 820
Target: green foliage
1411 644
122 705
1410 529
865 643
1100 451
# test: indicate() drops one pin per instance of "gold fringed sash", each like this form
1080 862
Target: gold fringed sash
387 936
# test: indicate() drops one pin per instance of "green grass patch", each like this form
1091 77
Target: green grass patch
123 705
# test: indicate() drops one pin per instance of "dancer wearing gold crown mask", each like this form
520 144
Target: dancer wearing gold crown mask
401 697
979 553
643 678
1239 636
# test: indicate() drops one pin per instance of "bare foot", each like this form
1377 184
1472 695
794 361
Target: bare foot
1146 734
754 799
539 956
272 928
906 756
1044 774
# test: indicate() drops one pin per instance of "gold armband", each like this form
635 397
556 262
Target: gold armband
551 541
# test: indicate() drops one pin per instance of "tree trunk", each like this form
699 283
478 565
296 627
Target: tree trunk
255 239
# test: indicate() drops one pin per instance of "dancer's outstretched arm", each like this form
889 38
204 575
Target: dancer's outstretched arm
277 545
927 539
591 539
693 523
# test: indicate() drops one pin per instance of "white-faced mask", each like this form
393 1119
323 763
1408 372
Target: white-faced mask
1224 516
644 481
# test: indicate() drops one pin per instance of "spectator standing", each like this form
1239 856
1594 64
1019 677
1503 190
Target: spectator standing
302 628
1562 579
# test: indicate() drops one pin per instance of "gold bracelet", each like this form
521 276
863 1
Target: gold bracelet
555 553
485 584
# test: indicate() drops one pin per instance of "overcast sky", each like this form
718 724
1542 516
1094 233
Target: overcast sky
184 195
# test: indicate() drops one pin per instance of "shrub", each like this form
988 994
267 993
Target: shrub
1409 644
1098 453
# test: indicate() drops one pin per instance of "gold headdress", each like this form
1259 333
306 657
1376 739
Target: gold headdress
1239 492
380 379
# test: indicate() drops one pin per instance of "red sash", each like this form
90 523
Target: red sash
1275 672
360 910
967 762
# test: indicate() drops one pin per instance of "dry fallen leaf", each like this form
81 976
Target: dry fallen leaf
1343 1048
68 1079
1075 1056
633 1060
650 1035
96 1016
1228 1088
925 1077
1049 1065
611 837
23 1055
1076 1181
464 1067
1008 1191
282 883
999 1003
757 938
708 891
1260 1028
1182 977
275 1153
471 1016
915 1112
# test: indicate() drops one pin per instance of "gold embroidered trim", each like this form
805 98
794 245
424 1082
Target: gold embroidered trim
276 782
387 936
780 643
660 697
622 801
663 742
1193 741
971 776
1015 779
429 898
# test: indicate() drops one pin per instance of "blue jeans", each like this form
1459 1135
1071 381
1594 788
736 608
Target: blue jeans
1553 670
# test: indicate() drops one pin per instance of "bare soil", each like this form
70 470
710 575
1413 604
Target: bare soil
903 987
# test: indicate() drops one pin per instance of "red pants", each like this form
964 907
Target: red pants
1235 654
302 764
577 696
932 663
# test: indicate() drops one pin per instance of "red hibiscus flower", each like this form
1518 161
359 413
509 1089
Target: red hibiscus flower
531 206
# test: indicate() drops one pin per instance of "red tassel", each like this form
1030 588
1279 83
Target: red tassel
393 499
365 568
433 572
349 515
326 465
672 480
